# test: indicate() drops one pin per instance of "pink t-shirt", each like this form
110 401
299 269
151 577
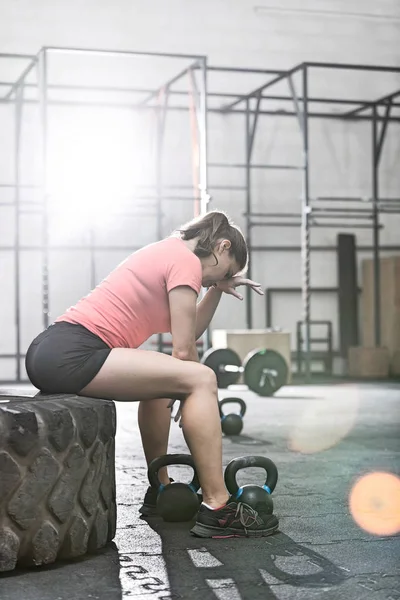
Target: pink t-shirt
131 304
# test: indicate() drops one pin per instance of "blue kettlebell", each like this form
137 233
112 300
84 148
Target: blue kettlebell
256 496
176 502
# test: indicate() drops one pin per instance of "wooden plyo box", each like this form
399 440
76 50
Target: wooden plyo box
244 341
389 300
367 362
395 363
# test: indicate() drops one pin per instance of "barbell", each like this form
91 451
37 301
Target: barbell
264 371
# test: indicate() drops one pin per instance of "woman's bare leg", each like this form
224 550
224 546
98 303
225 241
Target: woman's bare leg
142 375
154 418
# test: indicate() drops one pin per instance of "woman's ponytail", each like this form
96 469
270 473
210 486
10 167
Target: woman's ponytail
210 228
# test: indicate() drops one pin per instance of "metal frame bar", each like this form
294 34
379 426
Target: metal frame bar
14 84
332 225
19 100
21 78
203 160
161 116
352 199
92 243
367 214
316 115
203 139
305 229
250 132
375 206
245 70
296 102
167 85
274 113
316 100
193 93
249 147
194 113
382 134
254 127
372 104
34 207
103 52
353 67
260 89
127 248
336 211
43 80
253 166
17 56
128 90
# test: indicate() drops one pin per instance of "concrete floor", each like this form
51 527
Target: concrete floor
322 439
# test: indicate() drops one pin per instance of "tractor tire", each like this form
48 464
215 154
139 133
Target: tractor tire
57 478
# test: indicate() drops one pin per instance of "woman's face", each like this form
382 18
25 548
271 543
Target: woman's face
226 268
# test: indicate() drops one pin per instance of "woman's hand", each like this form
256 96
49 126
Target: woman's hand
229 286
178 416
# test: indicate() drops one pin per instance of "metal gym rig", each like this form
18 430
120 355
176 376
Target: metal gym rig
252 105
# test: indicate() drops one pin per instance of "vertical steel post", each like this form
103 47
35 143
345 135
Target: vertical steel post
19 99
251 127
382 134
194 110
92 256
249 311
43 102
375 216
203 162
161 113
296 103
305 231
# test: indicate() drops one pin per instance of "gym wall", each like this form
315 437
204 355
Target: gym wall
114 148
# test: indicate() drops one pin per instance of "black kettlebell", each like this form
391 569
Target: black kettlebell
176 501
258 497
232 424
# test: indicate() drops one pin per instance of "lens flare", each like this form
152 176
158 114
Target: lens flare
374 503
325 422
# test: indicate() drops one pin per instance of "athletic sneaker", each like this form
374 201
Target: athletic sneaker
235 519
149 506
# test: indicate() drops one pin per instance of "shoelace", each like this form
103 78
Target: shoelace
247 515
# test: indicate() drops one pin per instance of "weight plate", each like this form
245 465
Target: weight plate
265 371
216 359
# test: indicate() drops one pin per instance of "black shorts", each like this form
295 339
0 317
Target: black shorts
64 358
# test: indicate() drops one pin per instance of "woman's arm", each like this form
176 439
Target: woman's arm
208 305
206 309
182 306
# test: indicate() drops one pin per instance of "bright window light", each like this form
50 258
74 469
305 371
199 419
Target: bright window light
95 160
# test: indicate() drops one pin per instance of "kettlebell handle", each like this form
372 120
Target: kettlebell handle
244 462
171 459
239 401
